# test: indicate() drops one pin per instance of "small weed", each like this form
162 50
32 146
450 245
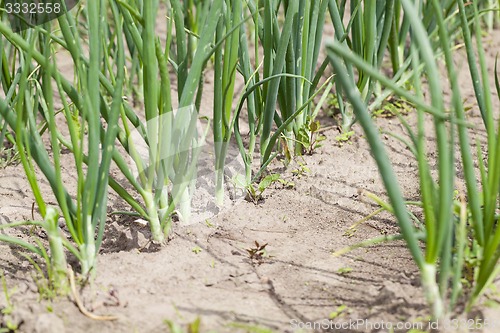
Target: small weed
334 103
44 281
338 312
8 156
196 250
254 194
209 224
7 325
311 137
257 252
193 327
8 152
302 170
344 270
391 108
344 137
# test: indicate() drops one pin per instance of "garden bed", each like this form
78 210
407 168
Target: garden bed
262 266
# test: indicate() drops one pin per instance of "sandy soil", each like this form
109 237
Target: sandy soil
297 278
206 271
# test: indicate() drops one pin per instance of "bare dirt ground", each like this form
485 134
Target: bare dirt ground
206 271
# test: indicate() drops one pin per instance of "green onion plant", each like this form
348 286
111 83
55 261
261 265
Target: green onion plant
293 50
172 144
225 70
34 86
367 33
445 218
280 68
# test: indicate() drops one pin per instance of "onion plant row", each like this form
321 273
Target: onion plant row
97 117
32 84
447 219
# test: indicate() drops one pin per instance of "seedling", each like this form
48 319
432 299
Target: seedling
333 102
257 252
391 108
8 156
7 310
44 282
344 270
313 139
254 194
338 312
344 137
209 224
302 170
193 327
